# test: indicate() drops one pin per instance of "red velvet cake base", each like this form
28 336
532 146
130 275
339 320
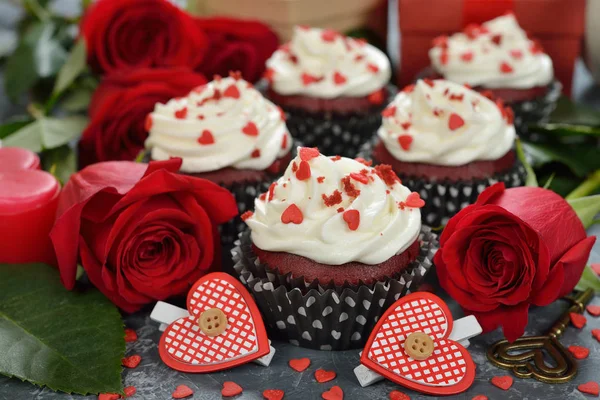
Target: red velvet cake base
340 105
473 170
352 273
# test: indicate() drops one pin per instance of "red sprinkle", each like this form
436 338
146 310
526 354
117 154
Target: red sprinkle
405 141
263 196
363 161
320 179
181 114
255 153
333 199
429 82
281 113
321 375
577 320
335 393
396 395
516 54
596 334
387 174
246 215
467 56
589 388
579 352
308 79
308 153
336 158
388 111
299 364
292 214
456 97
377 97
148 123
360 177
231 389
182 391
339 79
108 396
455 122
329 35
352 218
444 57
505 68
441 41
284 141
480 397
503 382
273 394
349 187
130 335
272 190
206 137
372 68
414 200
303 172
269 75
129 391
409 88
341 209
294 166
496 39
232 91
131 361
250 129
405 125
593 310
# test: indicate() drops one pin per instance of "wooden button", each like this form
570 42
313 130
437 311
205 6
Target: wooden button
419 346
213 322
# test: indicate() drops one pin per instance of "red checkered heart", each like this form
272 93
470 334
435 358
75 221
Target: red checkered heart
185 347
449 370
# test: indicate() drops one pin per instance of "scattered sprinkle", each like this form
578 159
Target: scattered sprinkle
182 391
303 172
405 142
246 215
322 375
308 153
589 388
299 364
292 214
397 395
503 382
181 114
273 394
231 389
577 320
579 352
250 129
352 218
455 122
130 335
593 310
232 91
131 361
335 393
255 153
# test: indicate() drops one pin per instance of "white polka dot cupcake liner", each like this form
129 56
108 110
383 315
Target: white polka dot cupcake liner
325 318
535 111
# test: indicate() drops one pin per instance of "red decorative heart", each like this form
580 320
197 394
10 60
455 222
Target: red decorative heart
593 310
181 392
373 68
497 39
299 364
181 114
506 68
467 56
232 91
231 389
130 335
596 334
273 394
329 35
206 137
308 79
148 123
129 391
339 79
324 376
292 214
335 393
131 361
480 397
589 388
108 396
303 172
503 382
250 129
389 112
455 122
579 352
516 54
414 200
352 218
184 347
396 395
449 370
405 141
577 320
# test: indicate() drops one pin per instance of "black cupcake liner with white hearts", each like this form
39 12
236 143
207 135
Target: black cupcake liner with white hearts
535 111
325 318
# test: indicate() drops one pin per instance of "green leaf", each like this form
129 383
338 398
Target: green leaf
74 66
589 279
586 208
77 100
580 158
531 177
68 341
571 113
60 162
12 125
47 133
565 130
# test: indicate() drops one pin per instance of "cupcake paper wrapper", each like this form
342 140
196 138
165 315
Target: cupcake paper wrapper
535 111
445 198
325 318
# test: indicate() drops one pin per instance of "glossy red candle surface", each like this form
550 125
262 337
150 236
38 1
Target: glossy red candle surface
28 201
16 158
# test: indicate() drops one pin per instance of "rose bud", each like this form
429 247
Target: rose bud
142 232
512 249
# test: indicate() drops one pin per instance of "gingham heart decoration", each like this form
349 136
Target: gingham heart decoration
184 347
449 370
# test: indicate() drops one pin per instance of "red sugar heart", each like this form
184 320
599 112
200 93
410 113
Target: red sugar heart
108 396
352 218
405 141
414 200
130 335
405 125
594 310
284 141
308 79
206 137
148 123
303 172
181 114
516 54
325 376
255 153
589 388
505 68
373 68
292 214
444 57
129 391
299 364
480 397
328 35
308 153
596 334
231 389
339 79
579 352
246 215
389 111
396 395
466 57
497 39
181 392
131 361
376 97
250 129
455 121
232 91
503 382
577 320
273 394
335 393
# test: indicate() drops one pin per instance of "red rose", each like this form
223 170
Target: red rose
141 33
119 108
142 232
237 45
511 249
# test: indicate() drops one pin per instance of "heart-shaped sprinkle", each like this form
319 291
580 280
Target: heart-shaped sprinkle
577 320
593 310
429 82
480 397
284 141
596 334
246 215
250 129
516 54
405 125
255 153
303 172
372 68
231 389
455 122
148 123
182 391
440 41
589 388
467 56
389 111
397 395
506 68
232 91
181 114
131 361
206 137
273 394
292 215
299 364
414 200
444 57
308 79
269 74
329 35
335 393
503 382
339 79
496 39
405 141
130 335
322 375
360 177
308 153
108 396
579 352
376 97
352 218
129 391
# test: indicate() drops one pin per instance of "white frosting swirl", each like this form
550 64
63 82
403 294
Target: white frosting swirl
322 63
225 123
497 54
444 123
387 226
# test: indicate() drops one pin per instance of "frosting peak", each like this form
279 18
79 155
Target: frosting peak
444 123
323 63
225 123
496 54
336 210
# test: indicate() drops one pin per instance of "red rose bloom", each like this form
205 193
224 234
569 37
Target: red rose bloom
511 249
237 45
141 33
119 108
142 232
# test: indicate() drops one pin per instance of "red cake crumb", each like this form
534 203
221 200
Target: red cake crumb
320 179
349 187
360 178
308 153
363 161
333 199
387 174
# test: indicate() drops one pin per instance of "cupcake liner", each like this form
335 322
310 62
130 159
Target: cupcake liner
325 317
535 111
445 198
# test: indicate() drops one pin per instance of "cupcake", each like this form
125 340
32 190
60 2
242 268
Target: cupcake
329 247
499 57
226 132
332 88
448 143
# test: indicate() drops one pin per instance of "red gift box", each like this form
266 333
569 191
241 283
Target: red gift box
558 24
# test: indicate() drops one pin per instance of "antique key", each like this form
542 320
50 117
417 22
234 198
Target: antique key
525 356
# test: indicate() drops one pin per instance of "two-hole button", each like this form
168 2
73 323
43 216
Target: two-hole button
419 346
213 322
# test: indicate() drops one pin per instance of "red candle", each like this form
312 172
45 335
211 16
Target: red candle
16 158
28 201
